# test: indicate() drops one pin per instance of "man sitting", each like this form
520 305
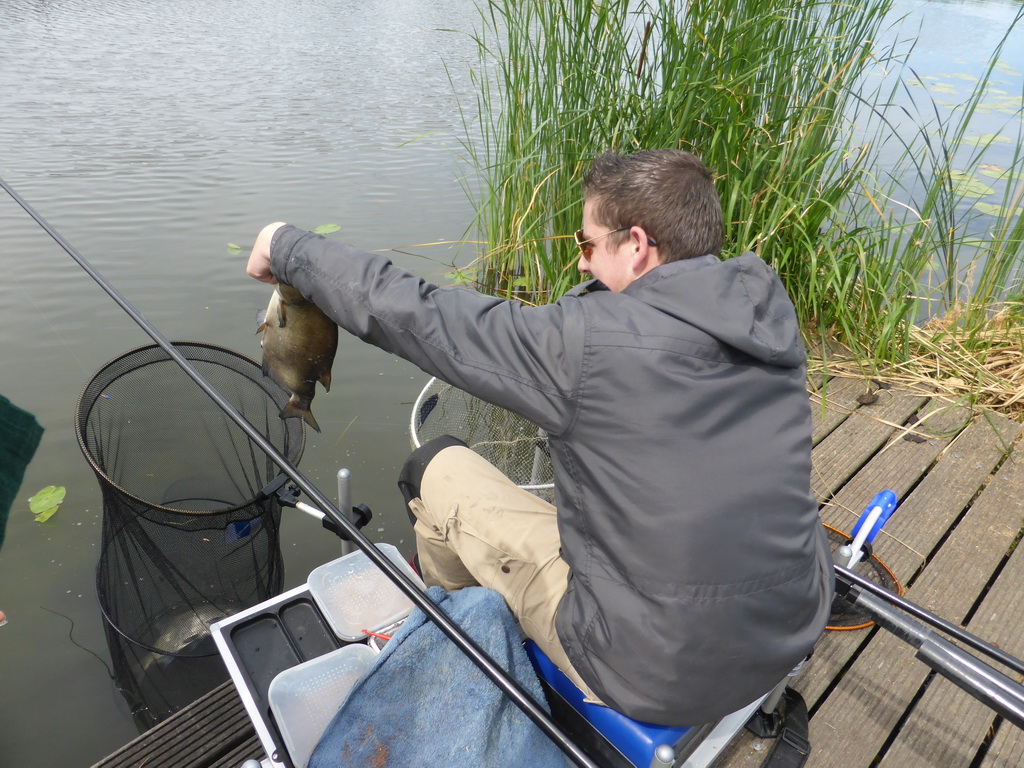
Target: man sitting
683 570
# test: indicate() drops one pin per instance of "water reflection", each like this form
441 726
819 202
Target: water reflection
152 135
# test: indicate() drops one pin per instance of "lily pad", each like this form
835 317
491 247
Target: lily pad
986 138
46 502
326 229
966 185
1003 174
997 210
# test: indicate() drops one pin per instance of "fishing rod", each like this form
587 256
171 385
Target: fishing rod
846 580
519 696
1001 693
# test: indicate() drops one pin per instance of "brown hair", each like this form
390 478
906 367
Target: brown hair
668 192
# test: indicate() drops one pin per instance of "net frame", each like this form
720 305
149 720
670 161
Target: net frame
187 537
512 443
91 395
871 568
153 540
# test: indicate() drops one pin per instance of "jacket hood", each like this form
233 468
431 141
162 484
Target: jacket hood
740 301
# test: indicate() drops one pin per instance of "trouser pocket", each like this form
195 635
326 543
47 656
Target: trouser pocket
492 565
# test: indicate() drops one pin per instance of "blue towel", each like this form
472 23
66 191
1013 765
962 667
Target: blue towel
425 704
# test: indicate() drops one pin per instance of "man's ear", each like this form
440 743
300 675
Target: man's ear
644 256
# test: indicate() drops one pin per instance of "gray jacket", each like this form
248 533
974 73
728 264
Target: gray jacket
680 432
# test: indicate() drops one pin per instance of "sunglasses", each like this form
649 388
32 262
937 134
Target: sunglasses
586 244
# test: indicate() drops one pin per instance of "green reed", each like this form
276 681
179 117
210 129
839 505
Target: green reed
773 97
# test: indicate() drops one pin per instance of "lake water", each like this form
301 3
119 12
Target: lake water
152 135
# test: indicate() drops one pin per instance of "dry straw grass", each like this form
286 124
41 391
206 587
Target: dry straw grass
982 367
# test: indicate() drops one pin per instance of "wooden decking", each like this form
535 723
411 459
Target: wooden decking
213 732
950 543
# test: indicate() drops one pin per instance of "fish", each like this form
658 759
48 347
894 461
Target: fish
186 633
299 344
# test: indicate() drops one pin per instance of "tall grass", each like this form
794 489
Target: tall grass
774 98
751 86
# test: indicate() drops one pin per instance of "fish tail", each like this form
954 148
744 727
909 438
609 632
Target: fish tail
308 418
293 410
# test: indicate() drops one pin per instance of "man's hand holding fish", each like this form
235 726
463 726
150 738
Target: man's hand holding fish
259 260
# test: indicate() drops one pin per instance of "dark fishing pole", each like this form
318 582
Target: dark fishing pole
988 685
519 696
846 579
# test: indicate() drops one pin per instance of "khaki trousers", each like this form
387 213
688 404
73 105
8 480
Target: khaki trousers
474 526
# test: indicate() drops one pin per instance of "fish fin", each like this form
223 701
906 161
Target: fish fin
308 418
280 314
326 381
261 321
292 411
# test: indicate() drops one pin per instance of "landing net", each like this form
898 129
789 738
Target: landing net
186 538
511 443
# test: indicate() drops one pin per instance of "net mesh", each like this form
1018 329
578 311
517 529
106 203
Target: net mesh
185 540
844 615
511 443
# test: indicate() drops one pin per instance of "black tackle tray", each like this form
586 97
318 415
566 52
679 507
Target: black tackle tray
261 642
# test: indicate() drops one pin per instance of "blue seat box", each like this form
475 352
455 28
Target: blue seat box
609 737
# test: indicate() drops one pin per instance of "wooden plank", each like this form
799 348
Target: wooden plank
212 726
934 505
867 704
961 468
947 725
838 457
939 498
250 749
942 741
1007 748
831 404
899 465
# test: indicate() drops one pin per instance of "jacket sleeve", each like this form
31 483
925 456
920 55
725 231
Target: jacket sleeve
526 359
